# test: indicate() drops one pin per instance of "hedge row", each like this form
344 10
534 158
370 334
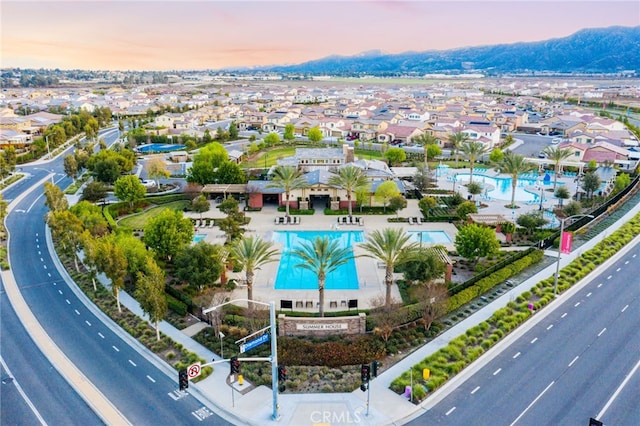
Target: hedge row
464 349
175 305
487 283
347 351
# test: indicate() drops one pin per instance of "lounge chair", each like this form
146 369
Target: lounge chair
277 220
344 220
296 220
418 221
410 221
361 222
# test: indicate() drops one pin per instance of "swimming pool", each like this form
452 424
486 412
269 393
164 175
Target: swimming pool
430 237
159 147
292 277
198 237
502 186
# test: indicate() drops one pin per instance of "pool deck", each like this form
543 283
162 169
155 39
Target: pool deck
370 274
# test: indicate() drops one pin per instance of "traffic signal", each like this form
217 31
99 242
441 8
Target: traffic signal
183 379
282 377
235 365
365 374
282 373
374 368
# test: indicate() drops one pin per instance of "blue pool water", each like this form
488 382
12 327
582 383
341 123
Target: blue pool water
502 186
198 237
292 277
159 147
430 237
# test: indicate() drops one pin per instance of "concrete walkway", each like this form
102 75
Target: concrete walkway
385 406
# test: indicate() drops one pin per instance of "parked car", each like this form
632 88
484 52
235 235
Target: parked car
556 141
541 155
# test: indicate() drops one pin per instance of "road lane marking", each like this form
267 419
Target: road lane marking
532 402
150 378
475 390
116 349
550 327
41 260
622 385
60 291
24 396
100 334
534 340
497 371
40 254
563 315
49 273
574 360
451 410
603 330
618 270
132 363
625 308
626 262
576 305
599 285
609 277
68 303
44 266
88 323
77 312
516 355
589 294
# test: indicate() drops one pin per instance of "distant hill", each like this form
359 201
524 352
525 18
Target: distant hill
596 50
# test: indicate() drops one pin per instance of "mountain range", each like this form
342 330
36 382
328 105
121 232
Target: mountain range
594 50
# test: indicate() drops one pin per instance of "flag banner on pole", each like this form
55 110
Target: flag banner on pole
565 242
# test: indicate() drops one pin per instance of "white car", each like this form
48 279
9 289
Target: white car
556 141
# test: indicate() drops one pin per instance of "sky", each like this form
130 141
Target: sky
212 34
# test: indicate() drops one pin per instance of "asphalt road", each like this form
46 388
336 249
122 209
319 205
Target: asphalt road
30 373
143 388
566 368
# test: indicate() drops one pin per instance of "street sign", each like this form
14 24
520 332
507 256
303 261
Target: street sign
194 371
247 346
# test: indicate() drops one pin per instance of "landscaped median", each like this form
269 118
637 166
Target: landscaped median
463 350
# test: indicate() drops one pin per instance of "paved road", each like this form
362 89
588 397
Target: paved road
143 388
563 370
28 372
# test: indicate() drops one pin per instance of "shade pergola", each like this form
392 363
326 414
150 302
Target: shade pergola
487 219
225 188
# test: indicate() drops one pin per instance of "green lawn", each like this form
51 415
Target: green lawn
138 220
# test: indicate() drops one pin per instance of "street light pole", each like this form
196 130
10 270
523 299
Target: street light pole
221 334
274 346
555 279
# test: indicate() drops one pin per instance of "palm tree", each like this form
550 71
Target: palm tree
251 253
350 178
473 150
287 178
392 247
322 256
457 139
557 155
514 165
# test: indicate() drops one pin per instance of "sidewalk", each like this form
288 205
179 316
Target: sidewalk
386 407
